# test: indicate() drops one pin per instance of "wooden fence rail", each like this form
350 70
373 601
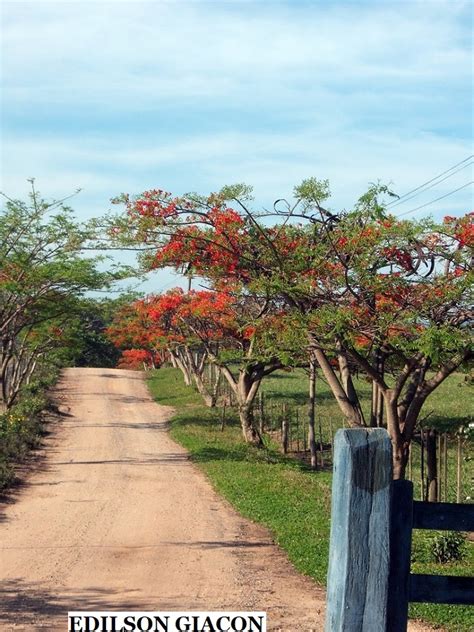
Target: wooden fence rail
369 579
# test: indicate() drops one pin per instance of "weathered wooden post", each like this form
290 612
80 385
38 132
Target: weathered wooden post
459 468
359 557
401 522
285 432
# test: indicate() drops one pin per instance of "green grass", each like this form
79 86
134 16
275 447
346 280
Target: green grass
282 493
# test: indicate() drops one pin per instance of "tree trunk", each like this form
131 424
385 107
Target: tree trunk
379 413
209 400
196 369
348 384
183 368
247 388
401 428
2 392
350 411
249 430
216 385
173 360
400 445
376 410
400 459
373 405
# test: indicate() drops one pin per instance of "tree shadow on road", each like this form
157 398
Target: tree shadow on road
27 603
36 605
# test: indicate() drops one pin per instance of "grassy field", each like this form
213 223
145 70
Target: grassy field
280 492
448 408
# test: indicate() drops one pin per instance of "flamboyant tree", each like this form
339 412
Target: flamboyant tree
224 328
144 327
183 347
392 298
138 359
400 311
137 335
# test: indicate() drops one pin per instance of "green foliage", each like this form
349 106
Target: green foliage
82 343
88 344
449 617
449 547
435 548
46 322
440 341
312 191
241 191
369 203
44 277
20 429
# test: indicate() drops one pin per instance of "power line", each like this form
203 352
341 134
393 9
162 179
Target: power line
436 200
402 198
406 199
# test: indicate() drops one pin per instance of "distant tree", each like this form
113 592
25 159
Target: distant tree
135 335
138 360
92 347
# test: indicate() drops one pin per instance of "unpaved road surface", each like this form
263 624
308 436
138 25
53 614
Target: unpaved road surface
115 517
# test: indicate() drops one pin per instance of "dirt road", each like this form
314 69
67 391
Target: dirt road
117 518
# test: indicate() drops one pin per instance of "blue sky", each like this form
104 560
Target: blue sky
122 96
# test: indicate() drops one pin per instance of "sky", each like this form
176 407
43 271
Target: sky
123 96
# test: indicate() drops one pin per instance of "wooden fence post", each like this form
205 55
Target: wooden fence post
445 471
459 468
359 555
401 522
285 431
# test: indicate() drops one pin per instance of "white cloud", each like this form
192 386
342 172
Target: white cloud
98 95
131 54
272 162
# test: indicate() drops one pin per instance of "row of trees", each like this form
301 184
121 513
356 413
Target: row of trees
196 327
46 316
359 290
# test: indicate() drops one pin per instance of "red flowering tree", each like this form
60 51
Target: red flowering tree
225 327
184 348
398 308
139 338
138 359
390 298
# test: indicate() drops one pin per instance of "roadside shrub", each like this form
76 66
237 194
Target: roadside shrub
449 547
20 430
